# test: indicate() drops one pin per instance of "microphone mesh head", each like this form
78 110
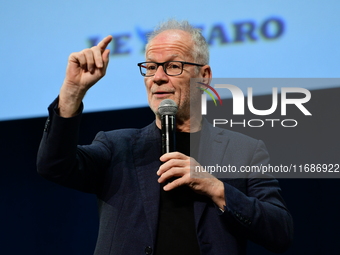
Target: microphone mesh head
167 107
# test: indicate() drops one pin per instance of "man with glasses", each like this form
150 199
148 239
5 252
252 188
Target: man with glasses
150 203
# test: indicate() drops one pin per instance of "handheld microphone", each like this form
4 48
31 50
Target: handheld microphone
168 109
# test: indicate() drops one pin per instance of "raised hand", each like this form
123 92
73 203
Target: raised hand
84 69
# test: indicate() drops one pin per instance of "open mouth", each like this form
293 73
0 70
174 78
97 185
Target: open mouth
162 93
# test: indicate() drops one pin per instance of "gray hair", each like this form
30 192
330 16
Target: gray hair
200 50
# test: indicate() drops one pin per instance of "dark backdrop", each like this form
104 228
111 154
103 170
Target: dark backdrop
39 217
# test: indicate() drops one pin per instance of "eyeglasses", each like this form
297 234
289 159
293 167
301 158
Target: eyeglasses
171 68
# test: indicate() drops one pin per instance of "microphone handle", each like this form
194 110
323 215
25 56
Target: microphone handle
168 133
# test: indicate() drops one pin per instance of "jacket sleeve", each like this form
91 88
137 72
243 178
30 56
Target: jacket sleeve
62 161
258 211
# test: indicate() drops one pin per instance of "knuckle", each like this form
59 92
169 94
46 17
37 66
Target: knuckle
86 52
74 55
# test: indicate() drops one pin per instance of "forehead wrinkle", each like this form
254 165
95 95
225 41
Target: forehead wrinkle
176 44
170 57
181 50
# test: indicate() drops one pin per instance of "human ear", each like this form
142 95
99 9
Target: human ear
206 74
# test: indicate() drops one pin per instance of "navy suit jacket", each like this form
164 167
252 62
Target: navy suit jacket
120 168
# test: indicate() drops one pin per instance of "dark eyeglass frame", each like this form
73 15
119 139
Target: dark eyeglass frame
162 64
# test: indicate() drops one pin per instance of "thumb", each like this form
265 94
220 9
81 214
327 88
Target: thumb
106 58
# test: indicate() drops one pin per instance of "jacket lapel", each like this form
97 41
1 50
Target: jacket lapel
147 151
212 148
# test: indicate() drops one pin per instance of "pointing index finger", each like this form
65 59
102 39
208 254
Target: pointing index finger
103 43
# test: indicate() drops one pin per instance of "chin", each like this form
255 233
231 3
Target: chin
154 107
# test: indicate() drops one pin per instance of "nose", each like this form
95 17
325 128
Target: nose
160 76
